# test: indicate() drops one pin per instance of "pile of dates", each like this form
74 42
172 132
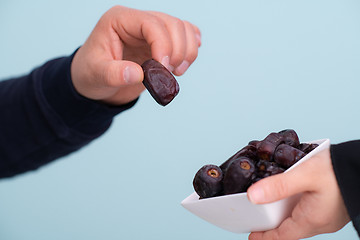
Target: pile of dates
259 159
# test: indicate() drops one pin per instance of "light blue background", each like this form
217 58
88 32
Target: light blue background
264 66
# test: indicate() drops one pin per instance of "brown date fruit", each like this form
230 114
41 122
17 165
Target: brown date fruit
238 175
286 155
208 181
290 137
307 147
254 143
256 179
265 168
266 147
247 151
160 83
257 160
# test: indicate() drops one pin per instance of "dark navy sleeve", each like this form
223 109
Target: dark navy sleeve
346 163
43 118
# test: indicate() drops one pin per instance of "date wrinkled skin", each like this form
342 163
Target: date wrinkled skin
273 155
160 83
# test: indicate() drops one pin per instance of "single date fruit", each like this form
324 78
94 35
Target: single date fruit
160 83
238 175
247 151
286 155
290 137
266 147
254 143
208 181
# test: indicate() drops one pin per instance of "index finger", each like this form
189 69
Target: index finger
134 25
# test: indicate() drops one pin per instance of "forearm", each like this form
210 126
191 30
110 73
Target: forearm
44 118
346 163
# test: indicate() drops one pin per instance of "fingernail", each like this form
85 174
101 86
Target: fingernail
171 68
131 75
256 195
182 67
198 37
165 61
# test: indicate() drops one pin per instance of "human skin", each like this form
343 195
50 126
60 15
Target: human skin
321 208
107 66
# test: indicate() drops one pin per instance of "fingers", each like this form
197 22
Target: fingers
123 27
159 39
118 73
288 230
193 41
172 41
186 40
177 33
273 188
107 66
300 224
309 217
320 209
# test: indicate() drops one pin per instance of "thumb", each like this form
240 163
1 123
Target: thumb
281 185
117 73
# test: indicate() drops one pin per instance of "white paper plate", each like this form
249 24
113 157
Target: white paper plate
237 214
